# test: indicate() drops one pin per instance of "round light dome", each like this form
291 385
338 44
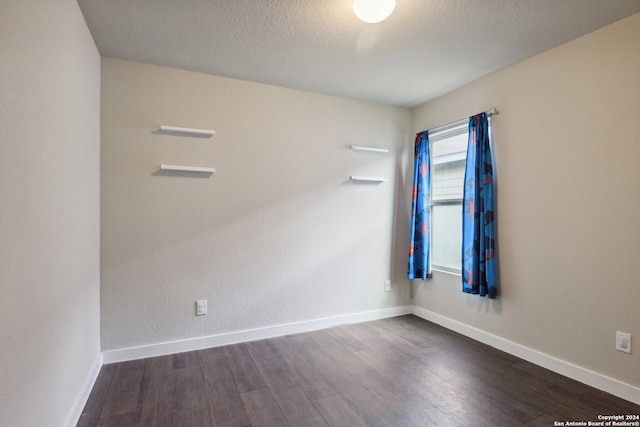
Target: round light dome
373 11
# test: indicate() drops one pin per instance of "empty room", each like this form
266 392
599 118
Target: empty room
319 213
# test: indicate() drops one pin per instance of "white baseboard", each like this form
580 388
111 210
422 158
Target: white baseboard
85 391
160 349
578 373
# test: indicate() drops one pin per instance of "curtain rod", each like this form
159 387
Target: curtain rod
492 112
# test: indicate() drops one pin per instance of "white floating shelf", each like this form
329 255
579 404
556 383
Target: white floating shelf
376 150
368 178
177 168
178 131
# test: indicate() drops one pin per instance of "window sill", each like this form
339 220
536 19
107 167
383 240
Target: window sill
443 270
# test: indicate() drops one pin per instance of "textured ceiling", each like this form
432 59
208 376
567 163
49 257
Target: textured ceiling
425 49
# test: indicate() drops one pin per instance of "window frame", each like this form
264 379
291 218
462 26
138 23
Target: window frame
439 134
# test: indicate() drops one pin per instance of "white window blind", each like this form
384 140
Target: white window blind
448 158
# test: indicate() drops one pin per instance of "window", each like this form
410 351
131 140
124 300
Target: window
448 156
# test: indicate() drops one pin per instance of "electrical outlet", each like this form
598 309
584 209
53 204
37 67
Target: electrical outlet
387 285
201 307
623 342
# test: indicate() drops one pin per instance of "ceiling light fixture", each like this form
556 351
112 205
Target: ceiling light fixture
373 11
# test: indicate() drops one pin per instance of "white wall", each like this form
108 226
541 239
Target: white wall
277 235
49 212
567 148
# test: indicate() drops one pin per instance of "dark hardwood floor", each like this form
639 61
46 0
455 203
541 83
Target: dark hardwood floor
396 372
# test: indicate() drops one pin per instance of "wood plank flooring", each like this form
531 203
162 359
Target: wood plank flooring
402 371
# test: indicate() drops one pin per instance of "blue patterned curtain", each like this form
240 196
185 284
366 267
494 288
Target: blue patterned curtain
478 225
419 267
